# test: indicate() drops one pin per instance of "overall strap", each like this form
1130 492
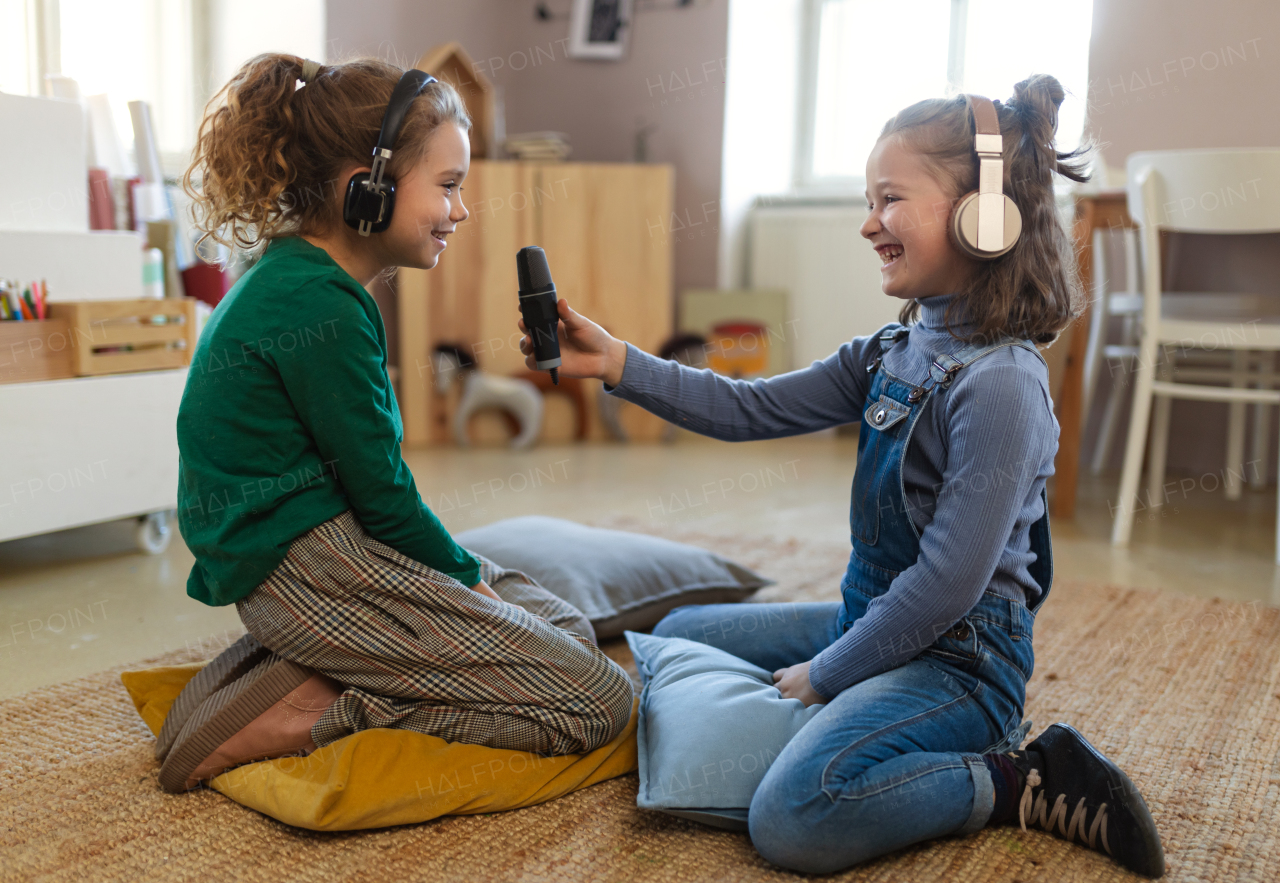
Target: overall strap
885 343
946 366
892 335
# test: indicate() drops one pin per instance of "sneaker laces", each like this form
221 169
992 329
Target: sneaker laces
1037 807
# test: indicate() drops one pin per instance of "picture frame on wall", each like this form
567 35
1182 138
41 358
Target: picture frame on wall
599 29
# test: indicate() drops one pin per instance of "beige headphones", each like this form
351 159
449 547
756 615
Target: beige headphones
986 223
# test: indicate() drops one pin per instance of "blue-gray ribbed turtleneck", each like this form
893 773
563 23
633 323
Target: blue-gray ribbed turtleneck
973 473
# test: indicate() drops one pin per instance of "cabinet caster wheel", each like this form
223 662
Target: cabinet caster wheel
154 532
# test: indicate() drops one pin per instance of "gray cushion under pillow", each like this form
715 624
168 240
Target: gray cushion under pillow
620 580
710 727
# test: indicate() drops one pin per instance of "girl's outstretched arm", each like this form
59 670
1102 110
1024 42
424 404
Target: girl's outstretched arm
827 393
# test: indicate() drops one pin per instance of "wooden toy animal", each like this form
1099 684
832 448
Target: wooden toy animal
517 398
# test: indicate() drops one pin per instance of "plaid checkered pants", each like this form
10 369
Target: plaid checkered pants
418 650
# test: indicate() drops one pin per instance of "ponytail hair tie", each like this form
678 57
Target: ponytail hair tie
309 70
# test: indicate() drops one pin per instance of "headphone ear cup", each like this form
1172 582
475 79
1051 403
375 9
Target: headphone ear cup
964 227
389 191
351 200
364 204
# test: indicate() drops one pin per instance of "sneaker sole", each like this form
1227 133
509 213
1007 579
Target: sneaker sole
226 713
229 665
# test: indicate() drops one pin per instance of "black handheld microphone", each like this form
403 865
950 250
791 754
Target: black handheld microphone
538 308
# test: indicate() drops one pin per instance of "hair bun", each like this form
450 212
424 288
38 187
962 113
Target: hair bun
1035 103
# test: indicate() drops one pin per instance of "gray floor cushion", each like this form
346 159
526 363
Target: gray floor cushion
620 580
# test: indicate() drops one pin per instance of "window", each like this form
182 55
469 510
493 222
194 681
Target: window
173 54
862 61
160 72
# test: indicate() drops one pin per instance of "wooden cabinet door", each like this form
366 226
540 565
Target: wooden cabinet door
469 298
603 226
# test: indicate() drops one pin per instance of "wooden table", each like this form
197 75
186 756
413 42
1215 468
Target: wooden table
1106 209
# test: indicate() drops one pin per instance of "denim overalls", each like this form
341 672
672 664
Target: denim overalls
895 759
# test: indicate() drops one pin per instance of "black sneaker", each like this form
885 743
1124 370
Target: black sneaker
1075 793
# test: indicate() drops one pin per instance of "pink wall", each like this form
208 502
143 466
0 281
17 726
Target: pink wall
1174 74
1168 74
672 79
401 31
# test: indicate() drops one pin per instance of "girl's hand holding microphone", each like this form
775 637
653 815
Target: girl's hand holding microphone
586 349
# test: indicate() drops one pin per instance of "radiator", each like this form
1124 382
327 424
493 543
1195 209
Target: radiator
830 271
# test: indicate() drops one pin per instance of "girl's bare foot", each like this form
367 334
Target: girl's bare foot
284 728
268 712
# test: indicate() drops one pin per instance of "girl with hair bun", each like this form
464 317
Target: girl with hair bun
922 667
361 610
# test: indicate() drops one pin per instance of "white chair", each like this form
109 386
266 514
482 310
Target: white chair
1197 191
1107 304
1208 365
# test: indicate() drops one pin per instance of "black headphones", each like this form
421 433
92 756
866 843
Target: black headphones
371 196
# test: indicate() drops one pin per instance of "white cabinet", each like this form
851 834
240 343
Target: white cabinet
85 449
88 449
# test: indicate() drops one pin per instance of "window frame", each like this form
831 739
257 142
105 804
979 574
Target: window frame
43 40
804 182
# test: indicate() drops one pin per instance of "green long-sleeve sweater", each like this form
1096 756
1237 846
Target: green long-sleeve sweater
288 419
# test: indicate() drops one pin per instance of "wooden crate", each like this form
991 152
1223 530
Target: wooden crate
101 329
35 351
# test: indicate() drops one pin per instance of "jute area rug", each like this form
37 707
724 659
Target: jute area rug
1184 694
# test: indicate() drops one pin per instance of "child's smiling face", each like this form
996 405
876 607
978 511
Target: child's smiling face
429 201
908 225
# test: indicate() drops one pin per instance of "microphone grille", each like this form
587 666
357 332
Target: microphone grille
532 269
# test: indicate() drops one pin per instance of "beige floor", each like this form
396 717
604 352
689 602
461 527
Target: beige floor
82 600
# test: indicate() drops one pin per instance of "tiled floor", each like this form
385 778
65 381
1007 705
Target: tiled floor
82 600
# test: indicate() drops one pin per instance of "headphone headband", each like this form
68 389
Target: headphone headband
985 119
410 85
370 199
989 146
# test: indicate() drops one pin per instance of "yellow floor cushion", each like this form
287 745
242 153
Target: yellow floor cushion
389 777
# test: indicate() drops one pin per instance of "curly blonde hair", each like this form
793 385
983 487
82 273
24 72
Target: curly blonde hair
269 155
1032 291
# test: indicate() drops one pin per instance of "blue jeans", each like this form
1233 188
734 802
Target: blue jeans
893 760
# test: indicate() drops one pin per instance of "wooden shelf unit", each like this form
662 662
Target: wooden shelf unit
603 227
